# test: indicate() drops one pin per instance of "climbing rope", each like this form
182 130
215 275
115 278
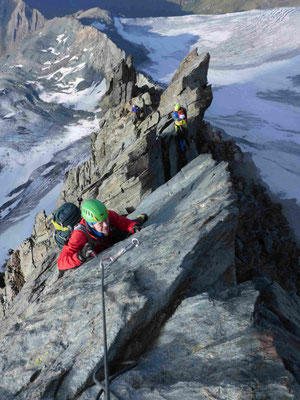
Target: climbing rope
105 388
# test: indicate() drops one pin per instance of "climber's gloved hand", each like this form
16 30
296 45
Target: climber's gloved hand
140 219
85 253
136 228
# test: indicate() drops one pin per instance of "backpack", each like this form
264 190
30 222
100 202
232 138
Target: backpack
135 108
65 220
181 114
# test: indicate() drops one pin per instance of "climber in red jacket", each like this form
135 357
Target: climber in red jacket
99 229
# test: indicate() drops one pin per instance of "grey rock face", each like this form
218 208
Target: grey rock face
209 349
14 279
189 88
130 158
61 321
122 85
17 21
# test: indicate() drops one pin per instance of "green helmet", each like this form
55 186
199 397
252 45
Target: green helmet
177 107
94 211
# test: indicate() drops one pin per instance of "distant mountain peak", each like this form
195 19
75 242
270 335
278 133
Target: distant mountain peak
17 21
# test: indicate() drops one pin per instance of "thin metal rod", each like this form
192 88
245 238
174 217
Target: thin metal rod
106 371
106 388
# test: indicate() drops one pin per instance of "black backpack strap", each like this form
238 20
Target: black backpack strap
82 228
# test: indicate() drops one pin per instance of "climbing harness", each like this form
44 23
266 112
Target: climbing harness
105 388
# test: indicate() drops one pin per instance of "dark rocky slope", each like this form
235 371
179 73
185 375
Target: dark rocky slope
211 227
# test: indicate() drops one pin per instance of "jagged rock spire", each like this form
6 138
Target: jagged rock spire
122 84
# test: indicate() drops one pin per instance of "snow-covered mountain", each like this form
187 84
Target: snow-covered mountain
254 70
49 89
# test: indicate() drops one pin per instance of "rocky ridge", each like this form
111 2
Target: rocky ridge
123 174
137 164
227 232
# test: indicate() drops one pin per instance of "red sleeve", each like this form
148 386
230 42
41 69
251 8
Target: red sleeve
68 257
122 223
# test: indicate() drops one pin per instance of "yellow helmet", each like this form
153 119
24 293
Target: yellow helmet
177 107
